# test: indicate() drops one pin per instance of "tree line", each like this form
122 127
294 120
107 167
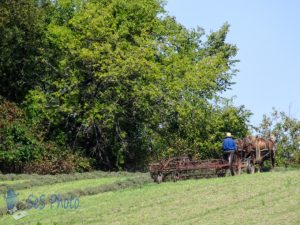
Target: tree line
110 84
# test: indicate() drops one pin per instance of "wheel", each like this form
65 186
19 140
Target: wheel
175 176
221 172
159 178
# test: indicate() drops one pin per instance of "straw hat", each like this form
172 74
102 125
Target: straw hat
228 134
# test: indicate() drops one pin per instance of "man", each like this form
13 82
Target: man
229 147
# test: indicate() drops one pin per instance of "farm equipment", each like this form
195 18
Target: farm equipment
251 151
178 168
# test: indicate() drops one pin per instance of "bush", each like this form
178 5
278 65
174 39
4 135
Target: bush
23 147
66 163
18 143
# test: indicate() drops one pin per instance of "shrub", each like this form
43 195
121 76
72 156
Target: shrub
23 147
66 163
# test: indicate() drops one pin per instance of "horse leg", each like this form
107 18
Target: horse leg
250 166
260 166
263 158
272 158
230 163
239 166
231 160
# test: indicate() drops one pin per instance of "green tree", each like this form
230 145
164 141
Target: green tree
22 24
129 83
286 129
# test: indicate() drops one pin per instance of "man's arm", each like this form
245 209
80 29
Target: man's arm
235 147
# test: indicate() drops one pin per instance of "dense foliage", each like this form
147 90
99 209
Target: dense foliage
286 130
119 82
22 25
23 147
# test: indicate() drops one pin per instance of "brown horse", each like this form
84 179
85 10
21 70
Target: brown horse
257 150
264 149
244 146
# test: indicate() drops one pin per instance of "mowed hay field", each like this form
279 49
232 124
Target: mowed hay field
265 198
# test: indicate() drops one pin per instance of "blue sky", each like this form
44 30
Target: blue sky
267 34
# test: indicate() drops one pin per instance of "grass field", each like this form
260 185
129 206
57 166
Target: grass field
265 198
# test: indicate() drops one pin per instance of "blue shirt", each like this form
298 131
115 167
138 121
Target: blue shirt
229 144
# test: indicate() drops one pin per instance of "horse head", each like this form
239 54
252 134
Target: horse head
239 143
249 143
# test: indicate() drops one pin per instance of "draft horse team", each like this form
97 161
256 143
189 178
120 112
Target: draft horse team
249 151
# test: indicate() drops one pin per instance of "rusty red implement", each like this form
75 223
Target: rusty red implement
178 168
